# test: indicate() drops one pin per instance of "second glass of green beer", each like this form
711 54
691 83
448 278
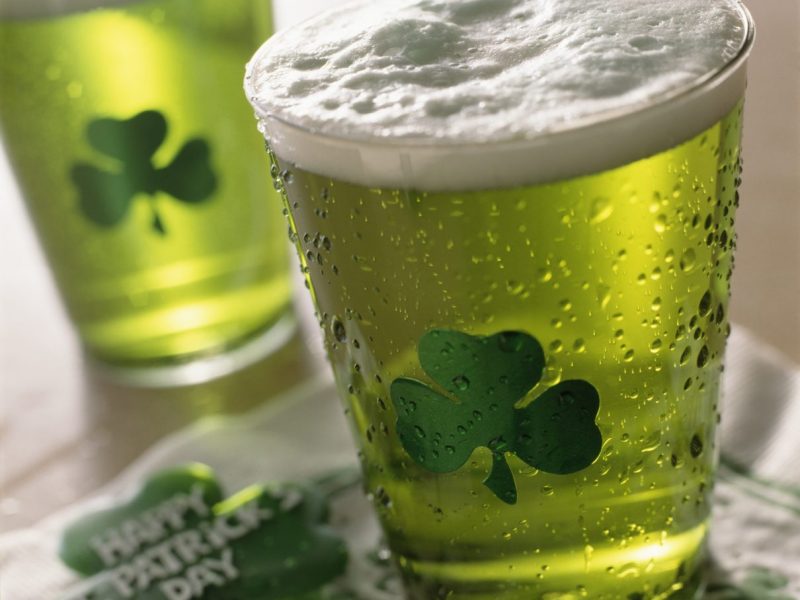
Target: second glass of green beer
139 165
517 221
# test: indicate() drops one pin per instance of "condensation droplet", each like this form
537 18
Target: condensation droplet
603 295
705 304
686 355
702 357
461 382
696 446
687 261
338 330
602 209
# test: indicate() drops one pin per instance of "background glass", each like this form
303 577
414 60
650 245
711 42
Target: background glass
138 161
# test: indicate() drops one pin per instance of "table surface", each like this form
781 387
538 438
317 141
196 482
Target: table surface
64 430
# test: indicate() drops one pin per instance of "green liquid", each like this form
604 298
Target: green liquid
171 276
624 279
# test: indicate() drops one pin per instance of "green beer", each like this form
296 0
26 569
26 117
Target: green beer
528 333
140 169
642 316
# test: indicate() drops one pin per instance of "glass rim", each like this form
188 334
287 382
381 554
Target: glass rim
659 114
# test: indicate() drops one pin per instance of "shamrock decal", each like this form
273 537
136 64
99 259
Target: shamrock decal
488 376
106 196
177 539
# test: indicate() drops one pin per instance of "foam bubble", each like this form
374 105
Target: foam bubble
428 73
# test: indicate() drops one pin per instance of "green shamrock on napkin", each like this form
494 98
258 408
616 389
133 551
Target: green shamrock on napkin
759 584
177 540
106 195
488 377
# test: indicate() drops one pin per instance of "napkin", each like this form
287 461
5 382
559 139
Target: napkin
755 541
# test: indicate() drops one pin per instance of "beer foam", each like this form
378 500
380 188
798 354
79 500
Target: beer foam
399 86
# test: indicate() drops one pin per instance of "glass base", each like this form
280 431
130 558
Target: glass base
680 576
196 369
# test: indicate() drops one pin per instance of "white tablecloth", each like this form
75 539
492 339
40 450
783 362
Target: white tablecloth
756 530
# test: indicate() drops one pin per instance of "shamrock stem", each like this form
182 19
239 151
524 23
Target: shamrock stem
501 481
158 224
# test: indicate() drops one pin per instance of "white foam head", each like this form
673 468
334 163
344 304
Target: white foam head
450 94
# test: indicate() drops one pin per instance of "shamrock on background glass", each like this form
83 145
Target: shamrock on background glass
488 377
106 195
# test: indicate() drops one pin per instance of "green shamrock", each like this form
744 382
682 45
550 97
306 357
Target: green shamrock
177 539
488 376
106 196
167 503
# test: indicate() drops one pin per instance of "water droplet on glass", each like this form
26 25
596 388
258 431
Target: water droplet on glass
687 261
515 288
602 209
702 357
603 295
544 275
510 342
696 446
461 383
338 330
687 354
705 304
